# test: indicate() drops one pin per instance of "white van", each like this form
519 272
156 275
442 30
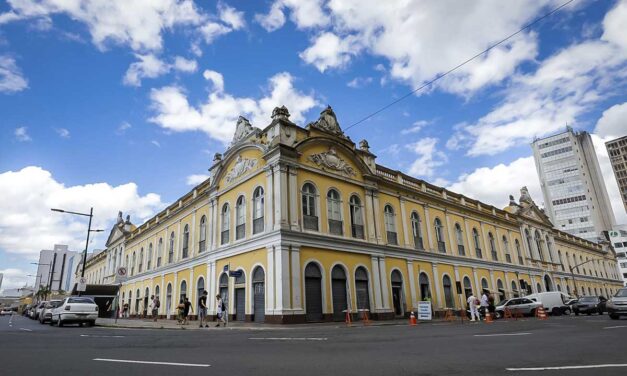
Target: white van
554 302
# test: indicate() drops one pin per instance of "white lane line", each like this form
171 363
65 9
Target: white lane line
615 327
502 334
289 338
27 330
567 367
89 335
147 362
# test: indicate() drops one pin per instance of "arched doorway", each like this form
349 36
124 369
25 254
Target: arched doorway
448 292
538 287
183 292
338 289
313 292
259 294
240 297
361 290
168 300
200 287
467 287
224 289
501 289
137 301
425 290
157 292
515 292
147 293
484 286
397 293
548 284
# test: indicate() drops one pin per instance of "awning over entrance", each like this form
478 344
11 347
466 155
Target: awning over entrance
96 291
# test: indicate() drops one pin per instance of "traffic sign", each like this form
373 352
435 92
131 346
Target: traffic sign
121 274
235 273
226 267
82 284
424 310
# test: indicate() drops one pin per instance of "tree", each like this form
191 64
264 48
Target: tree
43 292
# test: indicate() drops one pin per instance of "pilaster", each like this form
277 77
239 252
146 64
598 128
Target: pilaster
436 284
293 197
404 223
429 246
412 284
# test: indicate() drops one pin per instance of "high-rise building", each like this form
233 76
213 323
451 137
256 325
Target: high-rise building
617 150
55 268
1 277
618 238
575 197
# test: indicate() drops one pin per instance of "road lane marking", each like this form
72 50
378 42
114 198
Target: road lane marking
27 330
567 367
615 327
502 334
89 335
289 338
147 362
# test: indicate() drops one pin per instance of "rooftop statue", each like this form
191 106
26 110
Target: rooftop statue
328 122
242 129
525 196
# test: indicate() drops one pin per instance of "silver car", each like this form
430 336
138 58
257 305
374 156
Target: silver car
617 305
522 305
46 312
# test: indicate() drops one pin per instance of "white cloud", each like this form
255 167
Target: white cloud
565 86
614 25
429 157
62 132
609 178
21 134
139 24
416 127
359 82
27 225
231 16
330 51
196 179
304 13
275 18
150 66
613 122
122 128
156 143
15 278
218 115
493 185
11 78
216 80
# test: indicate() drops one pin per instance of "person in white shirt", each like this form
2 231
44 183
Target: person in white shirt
474 310
485 302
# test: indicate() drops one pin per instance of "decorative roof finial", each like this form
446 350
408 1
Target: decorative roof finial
280 113
364 146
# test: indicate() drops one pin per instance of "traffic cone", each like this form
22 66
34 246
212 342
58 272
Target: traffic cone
541 313
412 319
488 317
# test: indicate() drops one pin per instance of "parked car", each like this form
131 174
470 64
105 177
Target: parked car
75 309
46 313
31 311
523 305
38 309
554 302
590 305
569 304
617 305
5 312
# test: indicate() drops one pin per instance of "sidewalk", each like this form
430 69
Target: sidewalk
238 325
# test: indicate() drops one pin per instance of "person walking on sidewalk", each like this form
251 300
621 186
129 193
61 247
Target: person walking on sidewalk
485 303
187 306
220 310
202 309
473 303
155 307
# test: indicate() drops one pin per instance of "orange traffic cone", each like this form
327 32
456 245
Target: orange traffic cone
541 313
412 319
488 317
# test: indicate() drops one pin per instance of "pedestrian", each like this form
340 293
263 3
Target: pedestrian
125 310
485 302
187 306
473 303
220 310
155 307
202 309
179 311
108 309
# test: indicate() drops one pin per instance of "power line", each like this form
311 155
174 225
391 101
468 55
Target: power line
460 65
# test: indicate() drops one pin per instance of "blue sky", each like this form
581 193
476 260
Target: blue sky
121 105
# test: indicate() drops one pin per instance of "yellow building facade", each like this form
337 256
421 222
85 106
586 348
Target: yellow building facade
317 228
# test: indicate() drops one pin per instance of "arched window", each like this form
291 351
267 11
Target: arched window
357 220
310 213
159 251
448 292
508 256
538 240
467 287
202 236
459 235
185 241
258 210
475 239
226 222
133 265
529 243
501 288
416 231
390 224
484 285
549 249
425 290
439 235
141 260
168 299
495 255
538 287
559 255
361 288
137 300
171 249
200 287
126 262
240 220
158 295
515 290
149 262
334 212
518 252
183 292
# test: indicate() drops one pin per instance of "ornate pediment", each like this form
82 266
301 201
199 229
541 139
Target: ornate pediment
241 166
328 122
242 129
330 160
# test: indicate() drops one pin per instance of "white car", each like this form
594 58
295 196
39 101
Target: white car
554 302
75 309
46 312
5 311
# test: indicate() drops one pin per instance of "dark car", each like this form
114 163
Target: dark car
569 306
617 305
590 305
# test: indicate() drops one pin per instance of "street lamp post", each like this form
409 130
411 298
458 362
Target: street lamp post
573 274
89 230
50 272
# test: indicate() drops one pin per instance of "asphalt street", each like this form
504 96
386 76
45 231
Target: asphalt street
595 343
